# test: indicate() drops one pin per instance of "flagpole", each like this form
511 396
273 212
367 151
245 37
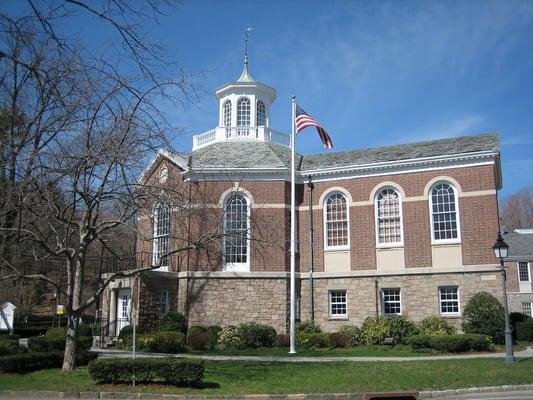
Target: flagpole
292 328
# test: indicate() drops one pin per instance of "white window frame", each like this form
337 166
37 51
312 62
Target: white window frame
341 292
241 111
527 308
457 218
376 214
441 301
163 302
157 237
527 271
226 113
237 266
384 302
326 221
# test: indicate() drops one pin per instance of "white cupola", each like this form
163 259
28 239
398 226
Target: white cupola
245 102
243 113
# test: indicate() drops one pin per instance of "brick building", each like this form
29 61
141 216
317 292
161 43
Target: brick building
396 230
519 268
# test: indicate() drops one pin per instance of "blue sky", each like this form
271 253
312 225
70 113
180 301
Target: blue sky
372 72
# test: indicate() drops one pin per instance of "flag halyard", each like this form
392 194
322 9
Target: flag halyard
304 120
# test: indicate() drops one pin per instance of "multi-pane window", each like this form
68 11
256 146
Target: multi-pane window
243 112
392 304
389 222
449 300
444 212
337 304
261 113
227 113
161 245
526 309
163 302
336 215
523 271
236 226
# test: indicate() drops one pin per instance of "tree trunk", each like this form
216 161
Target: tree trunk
69 359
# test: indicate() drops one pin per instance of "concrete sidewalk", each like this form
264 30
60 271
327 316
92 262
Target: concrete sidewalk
296 359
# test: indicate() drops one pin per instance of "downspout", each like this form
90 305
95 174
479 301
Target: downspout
311 187
377 297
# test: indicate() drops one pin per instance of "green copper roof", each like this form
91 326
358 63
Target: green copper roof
245 76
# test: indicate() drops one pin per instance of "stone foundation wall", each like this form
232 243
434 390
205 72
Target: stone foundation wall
231 301
419 295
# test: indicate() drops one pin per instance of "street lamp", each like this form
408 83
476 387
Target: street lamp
500 251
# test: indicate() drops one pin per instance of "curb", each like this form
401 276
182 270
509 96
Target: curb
422 395
436 394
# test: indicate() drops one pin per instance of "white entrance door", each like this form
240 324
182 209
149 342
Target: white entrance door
123 309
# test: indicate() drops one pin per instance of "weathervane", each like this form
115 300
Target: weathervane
246 37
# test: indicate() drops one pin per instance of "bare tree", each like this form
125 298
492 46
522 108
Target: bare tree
517 210
76 129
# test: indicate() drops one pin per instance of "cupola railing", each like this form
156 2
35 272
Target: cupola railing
240 133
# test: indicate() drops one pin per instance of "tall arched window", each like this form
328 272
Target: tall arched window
388 217
236 228
261 114
161 241
336 221
444 217
243 112
227 113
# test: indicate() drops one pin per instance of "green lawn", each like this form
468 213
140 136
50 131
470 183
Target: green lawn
359 351
238 378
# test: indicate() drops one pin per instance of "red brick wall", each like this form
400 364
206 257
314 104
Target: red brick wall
270 244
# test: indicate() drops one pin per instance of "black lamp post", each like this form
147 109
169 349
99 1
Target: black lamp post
501 250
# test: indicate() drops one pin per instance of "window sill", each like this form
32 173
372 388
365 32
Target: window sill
334 249
445 242
345 318
451 316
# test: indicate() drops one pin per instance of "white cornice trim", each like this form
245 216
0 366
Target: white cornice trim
470 269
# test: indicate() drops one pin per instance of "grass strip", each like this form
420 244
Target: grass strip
240 378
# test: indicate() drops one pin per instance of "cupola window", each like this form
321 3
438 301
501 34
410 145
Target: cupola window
261 114
243 112
227 113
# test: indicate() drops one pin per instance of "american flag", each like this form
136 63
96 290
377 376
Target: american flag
303 120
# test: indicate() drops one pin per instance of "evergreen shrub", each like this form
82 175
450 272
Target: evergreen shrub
355 334
375 330
400 328
173 321
312 340
484 314
338 339
161 342
256 335
27 362
435 325
307 327
524 330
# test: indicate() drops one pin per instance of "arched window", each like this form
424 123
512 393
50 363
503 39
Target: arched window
236 228
336 221
227 113
261 114
444 218
243 112
161 241
388 217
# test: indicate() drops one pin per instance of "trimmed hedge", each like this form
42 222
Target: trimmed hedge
9 346
338 339
29 331
56 343
451 343
307 327
178 372
524 330
28 362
